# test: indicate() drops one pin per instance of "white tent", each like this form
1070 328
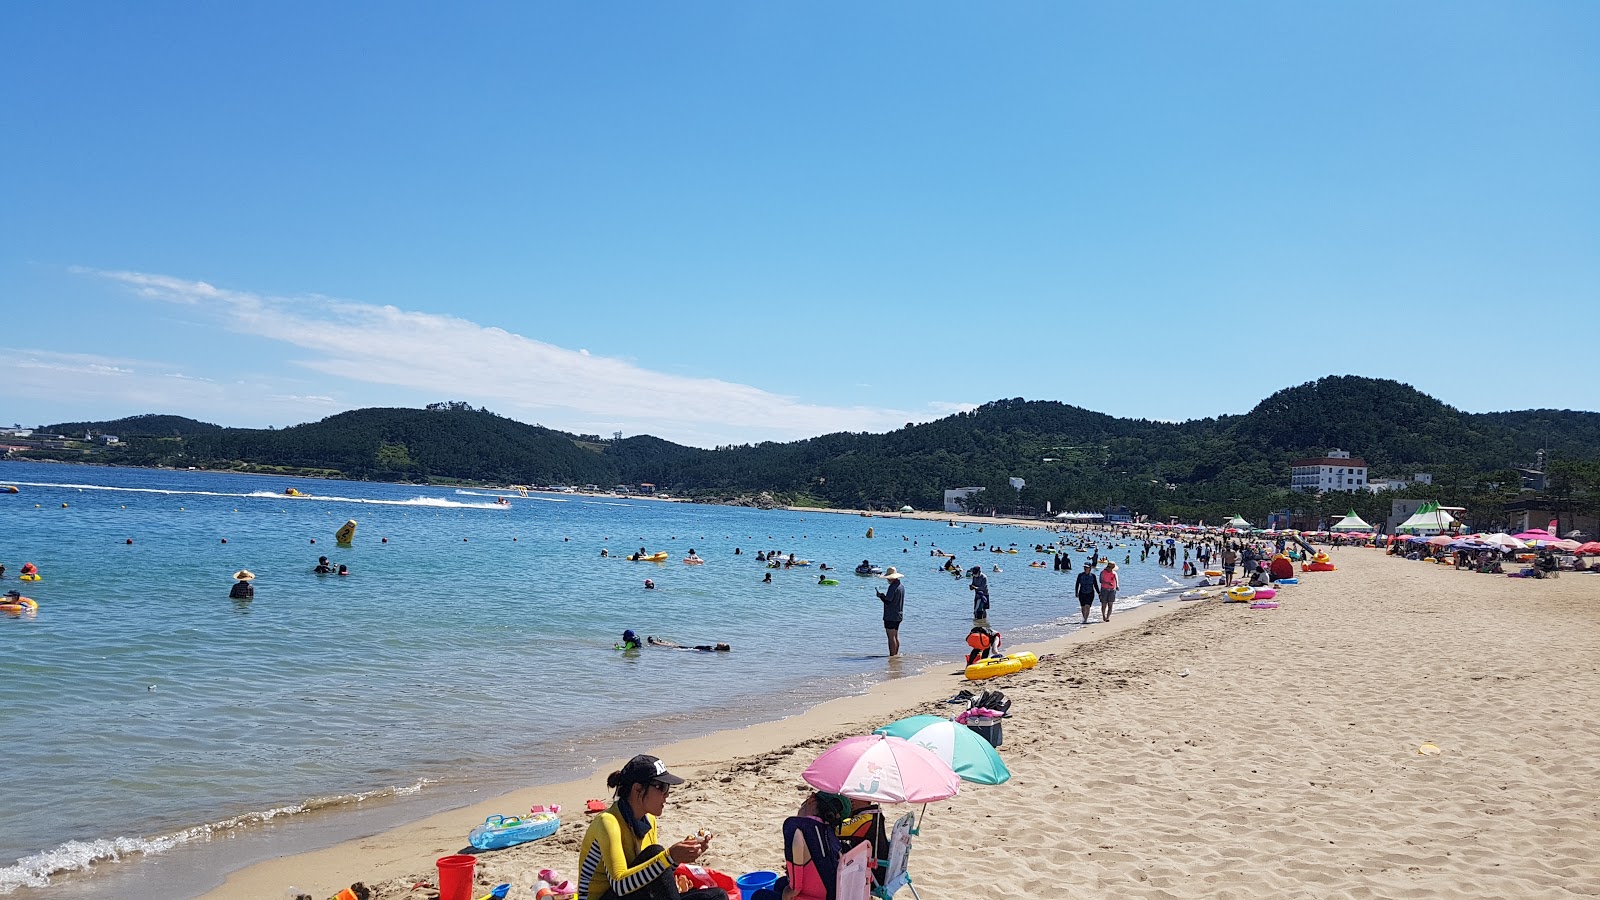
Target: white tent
1428 520
1239 523
1351 522
1081 516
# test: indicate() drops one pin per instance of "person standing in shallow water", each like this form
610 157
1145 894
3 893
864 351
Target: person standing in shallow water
894 607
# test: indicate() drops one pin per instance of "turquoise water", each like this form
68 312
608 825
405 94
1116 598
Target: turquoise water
471 652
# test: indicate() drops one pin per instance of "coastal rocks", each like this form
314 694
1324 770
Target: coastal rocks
763 500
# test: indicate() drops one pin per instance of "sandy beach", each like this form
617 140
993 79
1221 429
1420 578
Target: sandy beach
1183 750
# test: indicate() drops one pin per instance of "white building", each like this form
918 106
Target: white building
952 499
1398 482
1337 471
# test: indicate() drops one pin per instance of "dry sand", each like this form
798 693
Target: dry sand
1185 750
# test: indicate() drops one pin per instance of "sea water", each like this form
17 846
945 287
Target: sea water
146 716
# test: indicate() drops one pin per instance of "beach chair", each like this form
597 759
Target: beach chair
823 871
895 875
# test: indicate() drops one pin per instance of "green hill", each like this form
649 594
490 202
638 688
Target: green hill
1069 457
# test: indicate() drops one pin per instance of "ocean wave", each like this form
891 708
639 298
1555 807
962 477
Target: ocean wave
273 495
35 871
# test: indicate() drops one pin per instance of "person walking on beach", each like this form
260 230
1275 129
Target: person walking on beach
1229 560
1108 590
1085 589
894 608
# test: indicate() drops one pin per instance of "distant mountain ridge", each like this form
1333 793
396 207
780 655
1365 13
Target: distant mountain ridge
1069 456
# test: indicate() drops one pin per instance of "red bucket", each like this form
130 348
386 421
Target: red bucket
455 876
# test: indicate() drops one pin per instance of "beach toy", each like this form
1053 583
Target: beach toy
1263 606
31 577
693 561
1265 593
1318 567
1028 660
499 893
827 581
498 832
346 533
659 556
455 876
1213 573
990 668
594 806
1283 581
18 604
1240 594
1193 595
751 882
1429 748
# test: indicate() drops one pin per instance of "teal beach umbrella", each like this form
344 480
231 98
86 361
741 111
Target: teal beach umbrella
967 753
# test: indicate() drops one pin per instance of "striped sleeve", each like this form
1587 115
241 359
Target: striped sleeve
604 856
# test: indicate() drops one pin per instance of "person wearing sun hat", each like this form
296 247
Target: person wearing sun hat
894 608
621 856
242 588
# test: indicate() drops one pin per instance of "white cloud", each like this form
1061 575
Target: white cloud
442 356
60 386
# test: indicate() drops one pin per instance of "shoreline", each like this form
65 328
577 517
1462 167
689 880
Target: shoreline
414 845
1420 742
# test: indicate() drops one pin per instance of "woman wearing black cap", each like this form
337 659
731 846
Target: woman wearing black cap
621 855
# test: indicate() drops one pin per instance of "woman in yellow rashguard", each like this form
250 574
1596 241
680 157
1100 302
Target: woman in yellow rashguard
621 856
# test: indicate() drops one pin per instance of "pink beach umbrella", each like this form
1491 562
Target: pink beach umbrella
1568 545
1590 547
1535 534
882 769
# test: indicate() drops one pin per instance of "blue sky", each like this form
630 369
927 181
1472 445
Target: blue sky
724 222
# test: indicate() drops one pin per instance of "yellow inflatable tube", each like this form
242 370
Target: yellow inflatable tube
993 667
21 604
1028 660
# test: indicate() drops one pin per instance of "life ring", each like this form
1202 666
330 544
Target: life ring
1243 593
693 561
1028 660
1194 595
1036 565
31 576
659 556
993 667
827 581
21 604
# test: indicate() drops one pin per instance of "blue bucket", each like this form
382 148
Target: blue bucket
756 881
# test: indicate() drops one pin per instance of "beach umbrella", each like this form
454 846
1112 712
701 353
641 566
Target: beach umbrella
961 748
1567 545
882 769
1590 547
907 509
1535 534
1503 541
1443 540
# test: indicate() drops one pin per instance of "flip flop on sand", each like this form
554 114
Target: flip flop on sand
962 697
594 806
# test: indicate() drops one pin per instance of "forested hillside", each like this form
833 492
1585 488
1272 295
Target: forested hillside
1069 457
